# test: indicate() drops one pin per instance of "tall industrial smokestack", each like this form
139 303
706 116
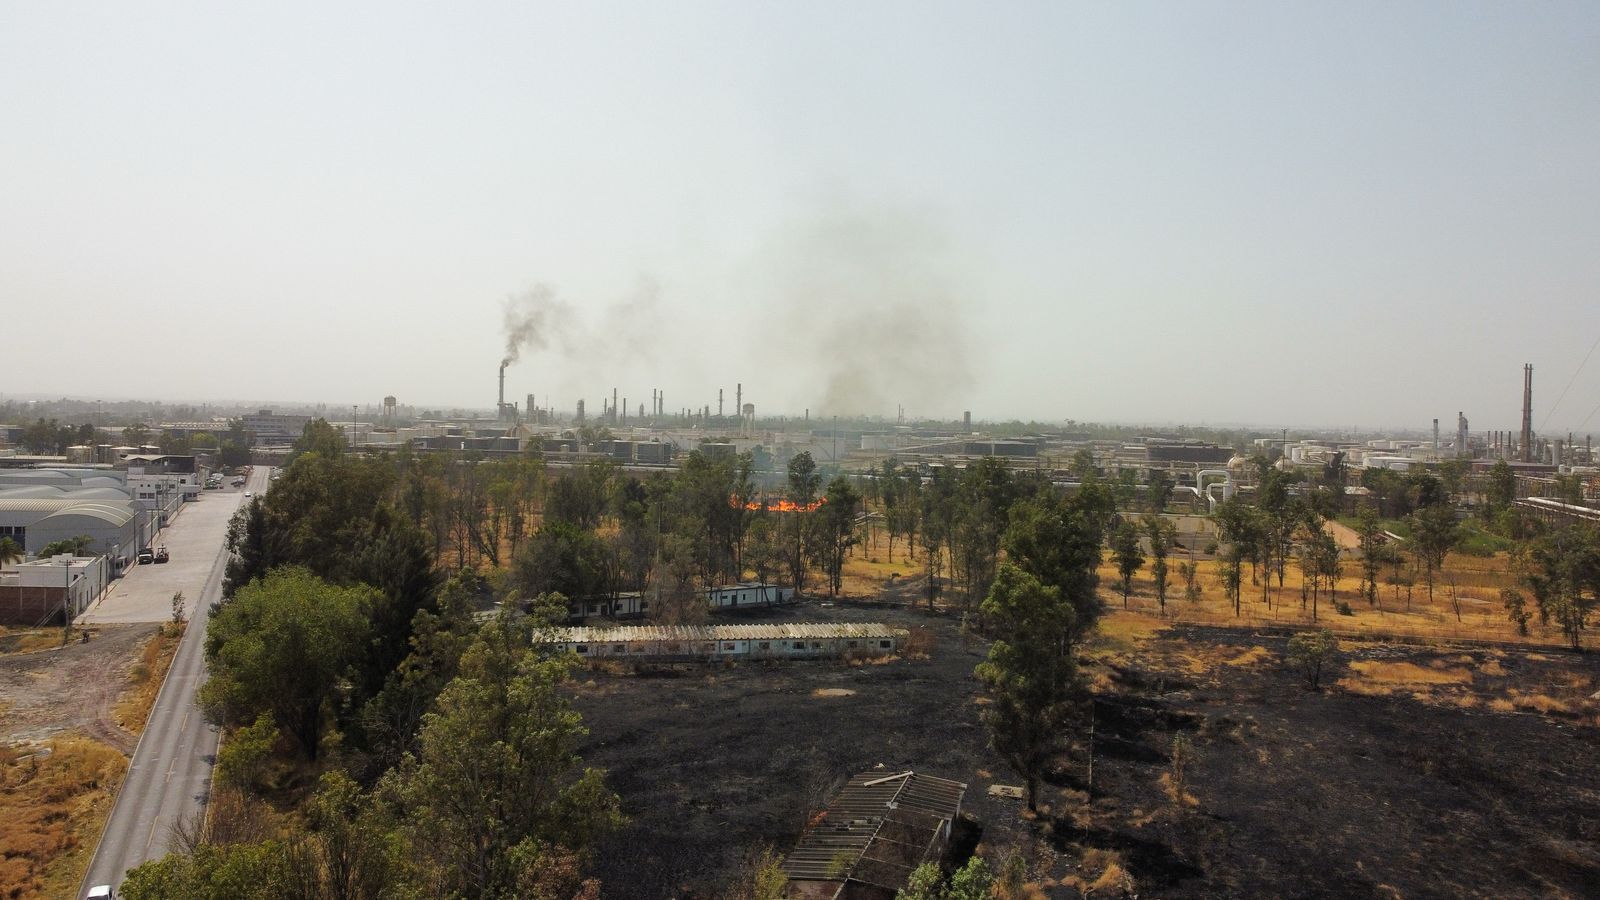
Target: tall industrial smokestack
738 398
500 404
719 403
1436 437
1527 413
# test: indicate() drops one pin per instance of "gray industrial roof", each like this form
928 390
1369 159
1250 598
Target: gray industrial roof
112 515
19 492
51 506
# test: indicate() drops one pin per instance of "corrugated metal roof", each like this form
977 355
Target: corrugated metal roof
879 828
791 631
36 504
114 515
42 491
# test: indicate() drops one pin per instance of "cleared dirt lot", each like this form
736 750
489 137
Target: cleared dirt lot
75 688
1417 773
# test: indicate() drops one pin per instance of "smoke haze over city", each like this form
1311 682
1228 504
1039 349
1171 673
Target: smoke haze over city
1362 214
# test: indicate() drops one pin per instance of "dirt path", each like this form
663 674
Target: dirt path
1347 537
75 688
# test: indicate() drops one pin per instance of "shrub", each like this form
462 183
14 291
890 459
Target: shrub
1310 651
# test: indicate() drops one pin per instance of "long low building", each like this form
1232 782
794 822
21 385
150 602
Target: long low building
634 605
810 640
870 839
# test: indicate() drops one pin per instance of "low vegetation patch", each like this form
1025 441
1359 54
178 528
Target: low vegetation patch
53 799
29 640
1379 676
144 680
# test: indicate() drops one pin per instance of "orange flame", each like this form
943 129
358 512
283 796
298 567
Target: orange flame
779 505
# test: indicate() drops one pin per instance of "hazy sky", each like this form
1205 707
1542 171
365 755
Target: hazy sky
1319 213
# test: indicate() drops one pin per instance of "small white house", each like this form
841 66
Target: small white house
747 593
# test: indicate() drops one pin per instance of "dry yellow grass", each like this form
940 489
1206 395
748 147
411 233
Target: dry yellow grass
30 640
53 800
1381 678
144 682
1250 657
1478 582
1540 703
1401 672
1101 873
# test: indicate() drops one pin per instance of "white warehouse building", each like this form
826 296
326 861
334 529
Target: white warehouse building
689 643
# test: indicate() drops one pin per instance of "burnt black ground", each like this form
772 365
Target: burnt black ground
711 763
1301 794
1332 794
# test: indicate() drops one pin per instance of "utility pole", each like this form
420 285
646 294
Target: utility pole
66 603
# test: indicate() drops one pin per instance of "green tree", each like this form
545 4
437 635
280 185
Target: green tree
1230 568
10 551
353 852
765 879
321 438
391 719
1057 541
1082 466
77 546
1370 537
1325 555
259 871
1129 555
1502 487
234 447
1569 489
1516 609
1161 534
43 437
1434 533
804 480
926 882
1029 671
1159 487
562 558
836 522
1563 574
1311 651
496 798
243 758
282 646
973 881
136 435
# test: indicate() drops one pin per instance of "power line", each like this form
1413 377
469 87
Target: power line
1570 382
1588 417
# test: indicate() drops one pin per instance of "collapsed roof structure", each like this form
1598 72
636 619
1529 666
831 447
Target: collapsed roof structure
879 828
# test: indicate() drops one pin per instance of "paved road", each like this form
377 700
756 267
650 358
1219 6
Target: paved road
194 541
170 776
